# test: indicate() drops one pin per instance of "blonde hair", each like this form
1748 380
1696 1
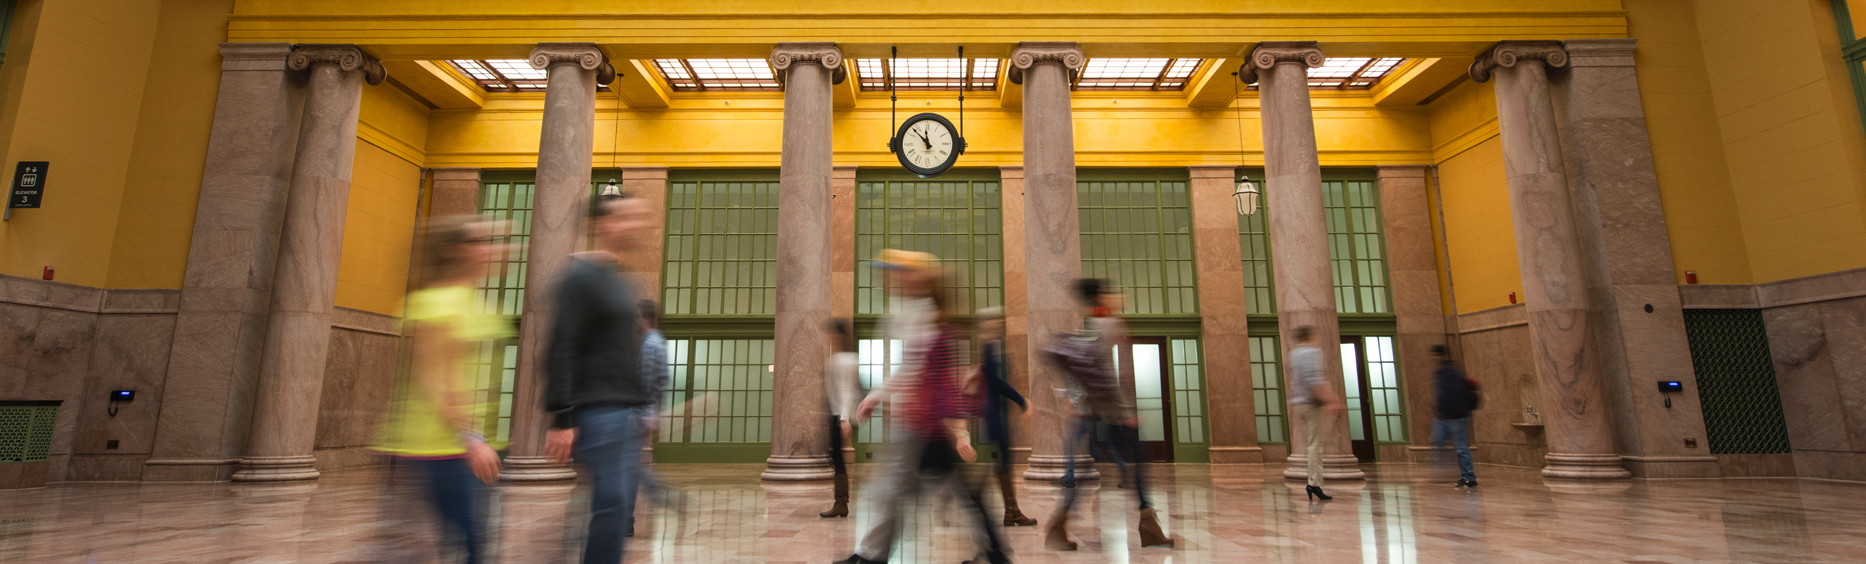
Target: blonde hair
441 235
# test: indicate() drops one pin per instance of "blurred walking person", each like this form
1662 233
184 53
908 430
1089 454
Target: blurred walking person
1314 401
842 390
435 425
993 391
1457 398
594 386
928 412
655 374
1108 396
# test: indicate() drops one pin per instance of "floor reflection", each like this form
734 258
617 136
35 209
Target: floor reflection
723 513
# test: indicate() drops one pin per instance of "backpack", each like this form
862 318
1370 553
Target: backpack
1079 354
1476 391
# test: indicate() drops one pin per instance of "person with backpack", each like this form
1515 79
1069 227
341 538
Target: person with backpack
1457 398
1107 395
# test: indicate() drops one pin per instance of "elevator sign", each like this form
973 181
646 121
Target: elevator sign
28 184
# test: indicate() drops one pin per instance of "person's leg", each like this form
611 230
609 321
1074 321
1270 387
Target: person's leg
610 448
1315 422
455 493
1461 439
885 491
1440 430
1071 446
840 505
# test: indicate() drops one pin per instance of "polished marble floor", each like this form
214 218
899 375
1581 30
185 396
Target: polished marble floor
1220 515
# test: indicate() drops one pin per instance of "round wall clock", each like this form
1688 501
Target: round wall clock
927 144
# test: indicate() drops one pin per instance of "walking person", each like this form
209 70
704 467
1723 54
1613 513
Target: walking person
434 425
656 376
842 390
928 411
1108 394
1457 398
1313 400
993 390
594 386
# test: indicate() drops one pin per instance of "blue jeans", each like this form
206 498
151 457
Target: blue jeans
458 497
1458 432
609 445
1084 433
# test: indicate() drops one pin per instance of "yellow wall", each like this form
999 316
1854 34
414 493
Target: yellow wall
385 185
74 80
1687 151
1790 132
378 231
156 220
1478 239
1857 10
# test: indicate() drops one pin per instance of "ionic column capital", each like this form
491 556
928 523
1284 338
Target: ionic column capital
1272 53
585 55
1508 53
1030 53
347 58
819 52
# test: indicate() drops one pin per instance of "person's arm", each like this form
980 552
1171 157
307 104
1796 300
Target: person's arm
563 361
654 364
847 385
1003 388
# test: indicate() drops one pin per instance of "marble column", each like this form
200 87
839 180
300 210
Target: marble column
1567 360
456 191
1305 283
798 443
1635 314
644 266
291 368
1016 305
227 290
1222 324
1412 275
1052 239
565 147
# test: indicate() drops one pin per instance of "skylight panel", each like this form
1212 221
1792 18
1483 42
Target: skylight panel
506 75
717 74
927 74
1136 74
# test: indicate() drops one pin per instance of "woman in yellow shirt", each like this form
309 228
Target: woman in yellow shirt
431 424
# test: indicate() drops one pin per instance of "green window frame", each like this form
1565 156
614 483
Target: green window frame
1266 376
719 400
721 249
901 212
1136 230
1188 377
1381 365
1853 50
505 197
1356 247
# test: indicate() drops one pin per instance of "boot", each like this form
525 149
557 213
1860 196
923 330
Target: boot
1012 516
841 508
1056 537
1150 534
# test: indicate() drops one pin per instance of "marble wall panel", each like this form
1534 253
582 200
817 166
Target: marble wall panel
1498 358
44 353
1718 296
359 376
842 242
1016 307
650 184
1222 317
1809 382
130 353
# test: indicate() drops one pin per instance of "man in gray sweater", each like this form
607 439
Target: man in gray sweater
593 381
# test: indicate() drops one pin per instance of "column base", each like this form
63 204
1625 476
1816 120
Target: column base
1584 467
1334 467
1055 466
535 469
189 470
276 469
797 469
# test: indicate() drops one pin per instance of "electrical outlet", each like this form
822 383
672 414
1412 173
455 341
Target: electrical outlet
1691 443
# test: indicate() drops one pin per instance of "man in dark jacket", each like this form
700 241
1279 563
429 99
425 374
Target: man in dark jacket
1456 400
593 382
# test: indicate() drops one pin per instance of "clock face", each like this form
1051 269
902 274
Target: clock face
927 144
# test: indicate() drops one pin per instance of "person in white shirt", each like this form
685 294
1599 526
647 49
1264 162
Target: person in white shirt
1313 400
842 389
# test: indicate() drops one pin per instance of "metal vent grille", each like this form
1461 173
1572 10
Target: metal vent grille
1736 381
26 433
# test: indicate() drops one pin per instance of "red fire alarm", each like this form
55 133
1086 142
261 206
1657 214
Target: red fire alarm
48 273
1691 277
1512 297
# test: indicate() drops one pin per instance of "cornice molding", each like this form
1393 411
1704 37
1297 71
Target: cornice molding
1030 53
585 55
347 58
1272 53
1507 53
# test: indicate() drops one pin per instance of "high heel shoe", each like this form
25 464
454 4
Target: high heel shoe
1316 491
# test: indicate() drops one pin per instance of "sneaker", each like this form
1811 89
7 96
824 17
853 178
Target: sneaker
1466 483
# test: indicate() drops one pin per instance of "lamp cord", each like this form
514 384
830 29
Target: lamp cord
967 83
1237 95
893 99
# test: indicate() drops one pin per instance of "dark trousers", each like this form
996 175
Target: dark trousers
457 496
1126 444
998 431
940 461
609 445
835 443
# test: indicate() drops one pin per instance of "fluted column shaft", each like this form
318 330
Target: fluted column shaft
1555 286
799 447
291 370
1305 283
565 148
1052 241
